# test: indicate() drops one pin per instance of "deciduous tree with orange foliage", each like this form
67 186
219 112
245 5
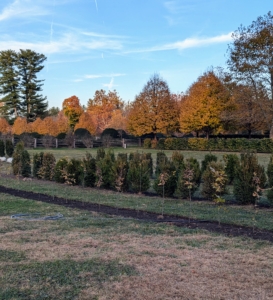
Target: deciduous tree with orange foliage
20 126
4 126
73 110
62 123
86 122
102 107
35 126
48 127
154 110
203 104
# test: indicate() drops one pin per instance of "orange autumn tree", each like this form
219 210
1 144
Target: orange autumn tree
35 126
48 127
154 110
62 123
20 126
203 105
102 107
118 120
86 122
73 110
4 126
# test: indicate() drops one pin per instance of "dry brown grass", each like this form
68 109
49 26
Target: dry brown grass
171 265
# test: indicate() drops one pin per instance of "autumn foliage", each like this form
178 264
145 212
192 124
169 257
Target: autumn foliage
154 110
86 122
20 126
4 126
73 110
104 109
203 104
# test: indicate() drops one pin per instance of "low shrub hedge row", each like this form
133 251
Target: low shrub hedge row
218 144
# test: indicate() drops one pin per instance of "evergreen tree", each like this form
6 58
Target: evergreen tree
29 64
19 84
9 84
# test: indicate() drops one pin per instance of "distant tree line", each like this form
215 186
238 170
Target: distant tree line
239 99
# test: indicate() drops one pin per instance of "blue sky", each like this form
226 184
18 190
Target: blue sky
120 44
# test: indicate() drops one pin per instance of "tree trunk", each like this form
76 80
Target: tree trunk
249 133
271 131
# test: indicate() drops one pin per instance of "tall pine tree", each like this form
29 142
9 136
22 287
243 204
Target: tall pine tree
29 64
19 85
9 84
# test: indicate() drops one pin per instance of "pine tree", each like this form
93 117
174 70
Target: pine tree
19 84
9 84
33 103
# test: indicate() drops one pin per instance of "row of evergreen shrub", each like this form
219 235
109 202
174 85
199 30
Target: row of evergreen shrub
213 144
173 176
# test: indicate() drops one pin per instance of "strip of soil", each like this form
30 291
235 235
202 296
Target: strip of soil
226 229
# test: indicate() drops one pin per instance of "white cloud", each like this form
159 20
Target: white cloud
188 43
67 42
95 34
22 8
197 42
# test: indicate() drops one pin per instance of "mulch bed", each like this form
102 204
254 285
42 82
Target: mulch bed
226 229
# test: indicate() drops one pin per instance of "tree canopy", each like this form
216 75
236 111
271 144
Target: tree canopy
251 59
154 110
203 104
103 107
73 110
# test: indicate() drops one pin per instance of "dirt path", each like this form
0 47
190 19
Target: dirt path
226 229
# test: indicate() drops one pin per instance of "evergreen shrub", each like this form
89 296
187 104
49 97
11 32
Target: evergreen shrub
269 172
182 190
60 169
138 175
208 177
89 164
104 170
2 148
147 143
9 148
120 170
165 182
244 186
46 170
207 159
232 161
21 161
37 163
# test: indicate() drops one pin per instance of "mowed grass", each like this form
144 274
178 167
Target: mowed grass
93 256
204 210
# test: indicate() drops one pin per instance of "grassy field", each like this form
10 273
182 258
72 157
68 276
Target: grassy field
92 256
232 214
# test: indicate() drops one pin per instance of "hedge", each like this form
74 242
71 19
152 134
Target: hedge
264 145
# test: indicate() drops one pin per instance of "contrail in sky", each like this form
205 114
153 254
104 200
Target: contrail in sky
51 31
96 5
